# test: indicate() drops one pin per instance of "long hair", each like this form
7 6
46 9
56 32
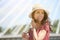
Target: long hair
44 20
45 16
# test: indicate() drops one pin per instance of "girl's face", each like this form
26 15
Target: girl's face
39 15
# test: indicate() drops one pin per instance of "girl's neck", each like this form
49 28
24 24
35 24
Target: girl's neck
38 26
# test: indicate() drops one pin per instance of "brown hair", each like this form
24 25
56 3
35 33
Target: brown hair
45 16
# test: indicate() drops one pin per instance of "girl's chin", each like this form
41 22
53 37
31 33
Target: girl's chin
40 20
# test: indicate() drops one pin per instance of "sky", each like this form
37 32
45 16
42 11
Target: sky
16 12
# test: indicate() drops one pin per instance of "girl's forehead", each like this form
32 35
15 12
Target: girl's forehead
39 11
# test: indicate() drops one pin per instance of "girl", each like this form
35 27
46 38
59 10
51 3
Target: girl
40 26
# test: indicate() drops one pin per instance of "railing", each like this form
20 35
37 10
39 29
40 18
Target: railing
18 37
54 36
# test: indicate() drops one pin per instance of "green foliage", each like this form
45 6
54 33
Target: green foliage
0 29
54 26
22 29
8 32
14 27
59 31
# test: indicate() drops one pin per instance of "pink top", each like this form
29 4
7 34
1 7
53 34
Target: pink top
44 27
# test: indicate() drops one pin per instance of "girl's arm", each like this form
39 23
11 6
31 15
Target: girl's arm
41 35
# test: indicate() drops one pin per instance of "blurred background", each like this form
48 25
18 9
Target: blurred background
14 17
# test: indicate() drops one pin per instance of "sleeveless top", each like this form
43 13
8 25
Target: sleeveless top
45 27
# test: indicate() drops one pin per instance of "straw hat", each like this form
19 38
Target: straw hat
38 6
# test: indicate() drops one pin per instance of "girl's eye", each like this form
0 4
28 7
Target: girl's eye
37 12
